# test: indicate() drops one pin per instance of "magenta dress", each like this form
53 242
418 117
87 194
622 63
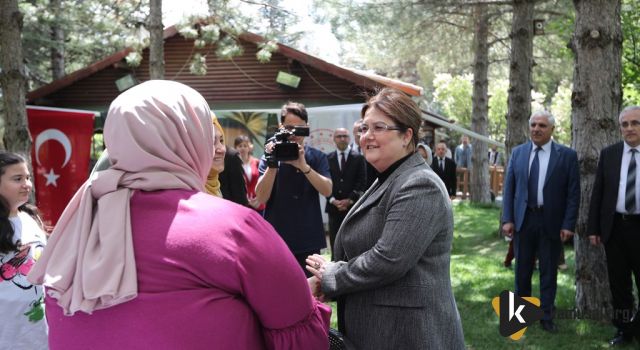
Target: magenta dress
211 275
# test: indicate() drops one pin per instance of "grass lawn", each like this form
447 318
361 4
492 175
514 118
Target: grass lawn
478 276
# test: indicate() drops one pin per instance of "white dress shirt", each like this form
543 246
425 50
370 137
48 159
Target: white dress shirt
543 161
622 187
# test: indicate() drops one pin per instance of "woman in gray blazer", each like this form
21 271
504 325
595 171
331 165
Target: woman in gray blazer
391 274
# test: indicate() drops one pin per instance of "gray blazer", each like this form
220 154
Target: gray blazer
391 277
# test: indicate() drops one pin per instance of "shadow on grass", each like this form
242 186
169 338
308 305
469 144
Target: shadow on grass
478 276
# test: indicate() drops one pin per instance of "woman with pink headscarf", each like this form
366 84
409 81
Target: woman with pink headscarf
143 258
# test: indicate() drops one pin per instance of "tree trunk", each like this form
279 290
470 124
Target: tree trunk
156 41
13 79
479 180
519 100
57 37
595 102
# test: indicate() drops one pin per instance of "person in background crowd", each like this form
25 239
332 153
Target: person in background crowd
614 220
447 152
22 324
355 144
290 189
463 153
495 156
173 267
393 248
348 176
251 173
212 186
425 153
232 182
446 169
540 209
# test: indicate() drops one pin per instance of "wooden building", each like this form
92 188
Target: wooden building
241 83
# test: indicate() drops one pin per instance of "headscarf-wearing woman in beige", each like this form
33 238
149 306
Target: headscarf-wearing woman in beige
217 166
160 136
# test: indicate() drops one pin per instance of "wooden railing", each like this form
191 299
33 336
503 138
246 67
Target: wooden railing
496 176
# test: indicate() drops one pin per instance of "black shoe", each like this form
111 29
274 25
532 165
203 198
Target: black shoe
548 326
620 339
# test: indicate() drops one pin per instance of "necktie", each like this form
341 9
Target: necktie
441 164
533 180
630 193
343 161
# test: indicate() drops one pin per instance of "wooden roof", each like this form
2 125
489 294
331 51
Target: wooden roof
242 78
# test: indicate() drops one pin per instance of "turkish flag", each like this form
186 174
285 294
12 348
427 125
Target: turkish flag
60 156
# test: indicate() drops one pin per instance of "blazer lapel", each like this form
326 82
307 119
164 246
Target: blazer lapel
375 192
617 163
553 161
524 161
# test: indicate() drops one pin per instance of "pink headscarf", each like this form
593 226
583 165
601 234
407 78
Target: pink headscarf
159 136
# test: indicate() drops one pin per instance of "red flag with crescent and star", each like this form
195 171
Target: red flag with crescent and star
60 156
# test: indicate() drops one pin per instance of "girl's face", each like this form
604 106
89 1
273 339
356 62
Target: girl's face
244 149
15 186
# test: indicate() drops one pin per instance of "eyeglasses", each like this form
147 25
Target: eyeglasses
378 128
341 136
633 123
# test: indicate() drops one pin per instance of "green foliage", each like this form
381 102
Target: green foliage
498 108
93 29
553 60
198 64
266 48
134 59
630 17
452 96
392 37
561 110
210 33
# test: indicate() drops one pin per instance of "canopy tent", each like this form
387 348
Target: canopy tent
436 119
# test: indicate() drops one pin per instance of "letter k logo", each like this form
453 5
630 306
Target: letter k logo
517 313
522 312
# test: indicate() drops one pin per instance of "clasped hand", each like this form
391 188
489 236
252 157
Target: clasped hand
315 265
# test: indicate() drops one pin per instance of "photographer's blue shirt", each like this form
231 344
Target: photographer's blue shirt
293 208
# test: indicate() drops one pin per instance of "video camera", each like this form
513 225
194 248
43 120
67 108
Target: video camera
284 149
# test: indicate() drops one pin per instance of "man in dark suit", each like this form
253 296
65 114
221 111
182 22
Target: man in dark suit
614 220
232 180
445 168
347 169
540 208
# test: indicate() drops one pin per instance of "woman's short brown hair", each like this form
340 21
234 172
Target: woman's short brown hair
399 107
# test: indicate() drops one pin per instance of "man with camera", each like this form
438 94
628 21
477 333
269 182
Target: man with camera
290 182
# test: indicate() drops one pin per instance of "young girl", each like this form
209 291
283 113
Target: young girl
22 324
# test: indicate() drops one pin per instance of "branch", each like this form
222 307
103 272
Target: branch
267 5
